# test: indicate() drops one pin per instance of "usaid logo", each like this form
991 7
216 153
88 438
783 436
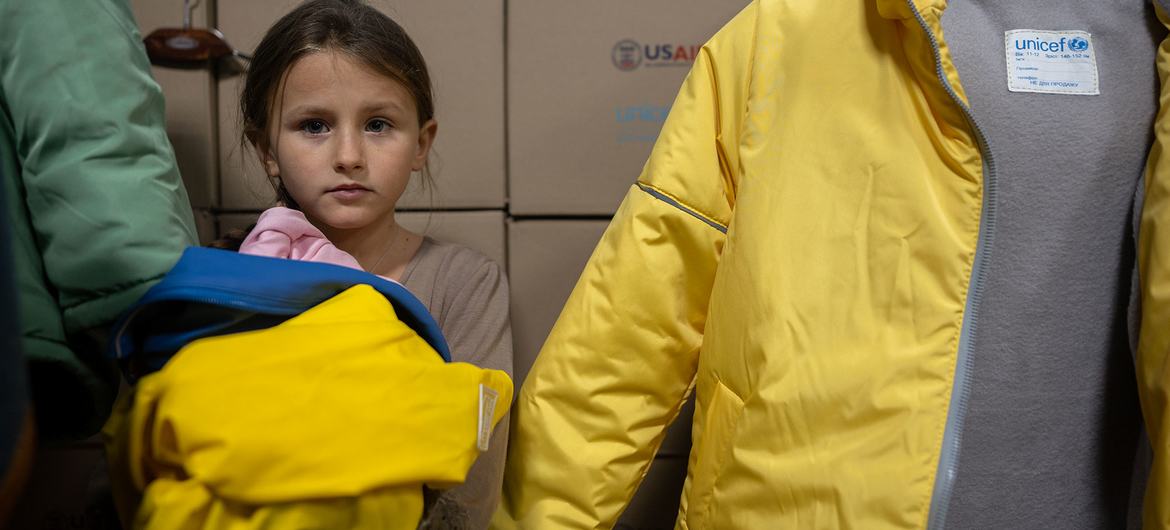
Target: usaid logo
629 54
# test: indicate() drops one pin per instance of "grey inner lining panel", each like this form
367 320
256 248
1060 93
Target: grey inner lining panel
1051 431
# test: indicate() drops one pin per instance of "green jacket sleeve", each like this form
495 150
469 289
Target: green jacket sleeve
100 182
97 211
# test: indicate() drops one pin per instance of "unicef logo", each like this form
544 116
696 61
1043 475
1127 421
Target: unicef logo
1078 44
627 55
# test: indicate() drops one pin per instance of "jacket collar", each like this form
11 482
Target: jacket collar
900 9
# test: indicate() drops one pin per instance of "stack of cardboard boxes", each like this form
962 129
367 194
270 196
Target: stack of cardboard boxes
547 110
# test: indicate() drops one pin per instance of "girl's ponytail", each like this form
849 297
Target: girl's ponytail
232 239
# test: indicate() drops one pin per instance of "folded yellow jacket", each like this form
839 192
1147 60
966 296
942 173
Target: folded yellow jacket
333 419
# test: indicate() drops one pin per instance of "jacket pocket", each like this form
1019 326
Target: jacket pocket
714 447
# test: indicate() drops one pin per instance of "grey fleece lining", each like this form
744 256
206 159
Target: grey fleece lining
1053 423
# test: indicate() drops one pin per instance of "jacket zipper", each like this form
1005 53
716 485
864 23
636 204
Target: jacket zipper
944 481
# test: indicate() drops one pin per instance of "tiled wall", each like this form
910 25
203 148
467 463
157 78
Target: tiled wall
547 110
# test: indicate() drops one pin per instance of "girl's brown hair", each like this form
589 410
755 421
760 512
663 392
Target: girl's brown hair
344 26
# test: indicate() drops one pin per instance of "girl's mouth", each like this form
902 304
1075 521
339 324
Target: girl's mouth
348 191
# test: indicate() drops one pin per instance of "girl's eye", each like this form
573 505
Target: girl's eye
314 127
378 126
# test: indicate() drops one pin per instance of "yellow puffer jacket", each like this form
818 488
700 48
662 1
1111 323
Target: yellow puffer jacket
334 419
801 249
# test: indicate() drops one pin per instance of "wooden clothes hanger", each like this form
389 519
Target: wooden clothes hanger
190 48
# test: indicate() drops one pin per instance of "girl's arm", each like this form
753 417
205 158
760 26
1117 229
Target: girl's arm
476 324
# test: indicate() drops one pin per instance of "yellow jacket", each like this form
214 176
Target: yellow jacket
334 419
799 249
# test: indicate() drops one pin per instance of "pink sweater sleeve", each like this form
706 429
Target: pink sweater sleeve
285 233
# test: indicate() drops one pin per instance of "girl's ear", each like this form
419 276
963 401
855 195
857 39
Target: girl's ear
426 138
269 162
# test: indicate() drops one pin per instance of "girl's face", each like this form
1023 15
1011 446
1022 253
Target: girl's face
345 141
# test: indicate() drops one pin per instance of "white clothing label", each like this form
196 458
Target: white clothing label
487 410
1051 62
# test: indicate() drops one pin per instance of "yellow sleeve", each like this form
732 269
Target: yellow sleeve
621 358
1153 356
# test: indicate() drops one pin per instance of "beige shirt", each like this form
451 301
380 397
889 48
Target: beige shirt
467 294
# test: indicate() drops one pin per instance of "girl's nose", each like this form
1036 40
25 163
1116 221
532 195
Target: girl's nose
350 155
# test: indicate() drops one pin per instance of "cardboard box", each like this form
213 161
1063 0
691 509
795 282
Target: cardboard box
463 44
655 505
589 85
481 230
192 125
545 258
205 226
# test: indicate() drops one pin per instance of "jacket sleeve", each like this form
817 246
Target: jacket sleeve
1153 354
621 358
107 208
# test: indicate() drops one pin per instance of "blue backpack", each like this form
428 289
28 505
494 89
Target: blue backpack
213 292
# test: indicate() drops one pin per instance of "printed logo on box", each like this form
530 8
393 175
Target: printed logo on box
629 54
639 123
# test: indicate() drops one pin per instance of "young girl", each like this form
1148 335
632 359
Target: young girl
338 105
